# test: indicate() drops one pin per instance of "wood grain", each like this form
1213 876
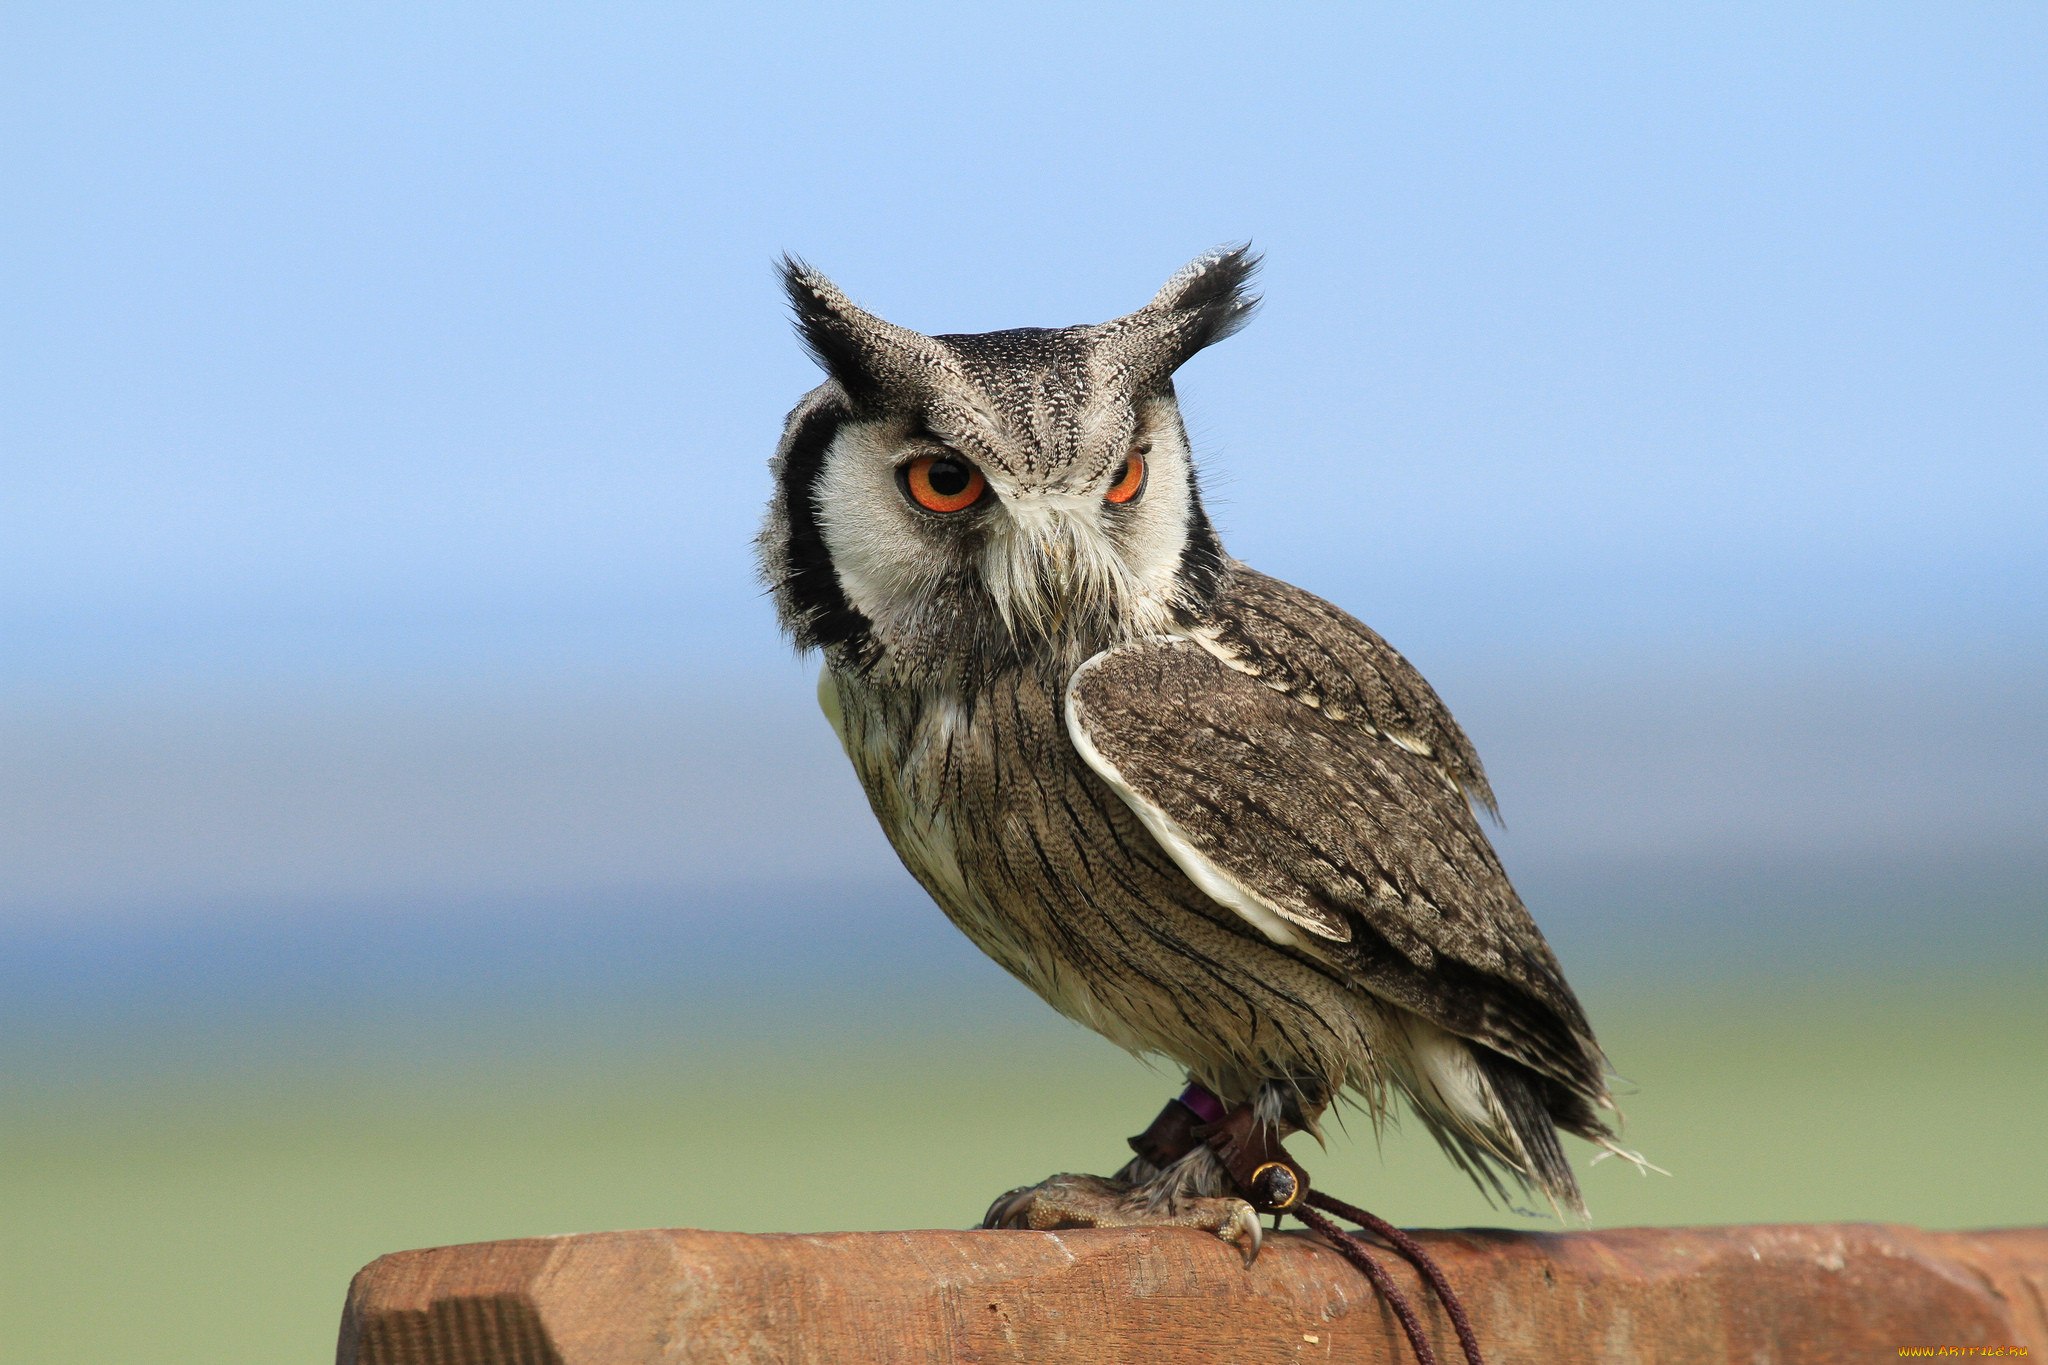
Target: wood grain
1788 1295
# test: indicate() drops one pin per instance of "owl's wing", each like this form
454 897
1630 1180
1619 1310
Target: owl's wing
1303 774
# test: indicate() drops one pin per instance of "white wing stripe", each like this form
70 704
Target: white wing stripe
1213 881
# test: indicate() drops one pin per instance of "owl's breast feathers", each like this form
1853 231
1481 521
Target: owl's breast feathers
1036 859
1248 846
1302 772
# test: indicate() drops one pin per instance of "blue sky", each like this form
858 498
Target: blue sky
432 342
359 355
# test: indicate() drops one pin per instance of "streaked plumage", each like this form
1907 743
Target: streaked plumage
1203 812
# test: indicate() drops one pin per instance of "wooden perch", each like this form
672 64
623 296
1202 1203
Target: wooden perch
1788 1295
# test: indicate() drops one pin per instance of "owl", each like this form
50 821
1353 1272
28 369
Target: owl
1199 810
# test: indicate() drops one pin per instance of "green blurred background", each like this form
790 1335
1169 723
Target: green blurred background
198 1185
413 831
219 1217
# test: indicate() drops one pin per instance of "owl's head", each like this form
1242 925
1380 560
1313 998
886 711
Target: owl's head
954 503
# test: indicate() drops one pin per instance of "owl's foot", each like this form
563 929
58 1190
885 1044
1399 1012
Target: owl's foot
1089 1201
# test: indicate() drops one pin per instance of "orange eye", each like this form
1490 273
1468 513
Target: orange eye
1130 480
943 483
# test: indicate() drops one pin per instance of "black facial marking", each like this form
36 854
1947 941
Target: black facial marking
824 616
1202 566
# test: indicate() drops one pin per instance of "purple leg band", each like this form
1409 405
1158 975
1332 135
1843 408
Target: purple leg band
1203 1102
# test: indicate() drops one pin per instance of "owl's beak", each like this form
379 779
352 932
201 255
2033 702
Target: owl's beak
1056 542
1054 545
1056 550
1051 571
1043 571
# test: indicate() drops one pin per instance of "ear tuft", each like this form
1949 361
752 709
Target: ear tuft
1206 301
827 320
870 358
1211 291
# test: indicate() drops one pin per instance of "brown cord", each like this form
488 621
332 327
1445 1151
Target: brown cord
1251 1155
1353 1250
1424 1263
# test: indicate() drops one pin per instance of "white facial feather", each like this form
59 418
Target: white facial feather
1052 553
879 550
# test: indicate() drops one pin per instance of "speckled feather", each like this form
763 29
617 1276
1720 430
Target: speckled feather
1285 776
1038 862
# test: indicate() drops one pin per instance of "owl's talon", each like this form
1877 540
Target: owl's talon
1243 1231
1009 1209
1089 1201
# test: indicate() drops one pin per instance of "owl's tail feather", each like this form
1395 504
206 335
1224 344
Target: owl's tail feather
1498 1120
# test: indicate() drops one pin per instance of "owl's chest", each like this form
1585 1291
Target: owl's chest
988 804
